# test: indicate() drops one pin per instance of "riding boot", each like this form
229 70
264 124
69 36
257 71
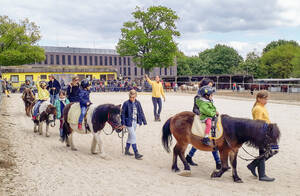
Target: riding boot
261 172
252 166
190 161
137 155
127 150
158 118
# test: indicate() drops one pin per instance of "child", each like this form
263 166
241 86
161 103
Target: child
207 110
43 95
84 97
60 104
132 114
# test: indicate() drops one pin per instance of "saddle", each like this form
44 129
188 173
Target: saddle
198 128
74 114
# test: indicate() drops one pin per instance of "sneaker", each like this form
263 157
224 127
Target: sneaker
80 126
206 141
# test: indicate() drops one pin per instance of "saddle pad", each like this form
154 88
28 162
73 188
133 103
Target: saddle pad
74 113
198 127
44 106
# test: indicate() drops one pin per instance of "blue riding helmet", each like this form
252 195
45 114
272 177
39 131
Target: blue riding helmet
206 91
85 83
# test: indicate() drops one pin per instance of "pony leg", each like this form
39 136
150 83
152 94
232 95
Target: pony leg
187 169
40 128
94 144
233 162
35 128
174 165
100 144
47 130
71 142
224 160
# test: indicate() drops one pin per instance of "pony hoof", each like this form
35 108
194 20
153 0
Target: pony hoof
68 145
94 152
74 149
176 170
105 157
185 173
48 135
215 174
238 180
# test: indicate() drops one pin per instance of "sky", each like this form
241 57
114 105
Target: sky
244 25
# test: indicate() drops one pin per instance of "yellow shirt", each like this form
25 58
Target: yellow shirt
43 94
259 112
157 89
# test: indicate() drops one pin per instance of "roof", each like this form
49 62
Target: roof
68 49
53 69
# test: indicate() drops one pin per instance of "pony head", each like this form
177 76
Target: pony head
51 113
114 117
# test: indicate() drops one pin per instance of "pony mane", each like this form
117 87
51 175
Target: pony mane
251 132
101 112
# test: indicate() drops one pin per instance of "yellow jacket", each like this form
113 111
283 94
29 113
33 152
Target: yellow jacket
259 112
43 94
157 89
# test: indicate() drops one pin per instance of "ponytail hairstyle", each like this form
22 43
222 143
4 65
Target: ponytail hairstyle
205 82
260 95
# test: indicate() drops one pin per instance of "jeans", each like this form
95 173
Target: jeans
156 101
37 107
131 133
83 111
53 98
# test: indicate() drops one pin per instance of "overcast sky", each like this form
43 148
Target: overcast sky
244 25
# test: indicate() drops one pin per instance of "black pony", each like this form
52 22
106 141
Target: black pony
96 119
236 132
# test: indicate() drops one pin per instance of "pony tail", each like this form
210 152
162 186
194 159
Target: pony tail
167 135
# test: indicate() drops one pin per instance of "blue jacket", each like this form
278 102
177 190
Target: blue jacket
84 97
54 84
127 111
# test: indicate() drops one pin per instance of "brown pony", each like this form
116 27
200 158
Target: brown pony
28 99
236 132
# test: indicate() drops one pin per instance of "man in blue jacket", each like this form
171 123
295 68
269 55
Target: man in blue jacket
53 88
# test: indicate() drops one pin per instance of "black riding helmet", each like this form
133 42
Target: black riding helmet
206 91
85 83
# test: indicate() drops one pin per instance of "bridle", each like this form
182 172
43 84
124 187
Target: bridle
112 124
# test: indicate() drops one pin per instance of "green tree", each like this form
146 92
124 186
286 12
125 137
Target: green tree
220 60
280 42
281 61
17 42
251 65
149 38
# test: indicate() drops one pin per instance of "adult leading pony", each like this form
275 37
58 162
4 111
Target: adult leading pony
236 132
28 98
96 120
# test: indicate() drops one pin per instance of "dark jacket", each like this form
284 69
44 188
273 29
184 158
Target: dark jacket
54 84
195 107
84 97
127 111
73 93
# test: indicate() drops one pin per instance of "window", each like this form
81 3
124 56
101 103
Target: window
51 59
91 60
105 60
103 77
120 61
135 71
74 60
101 60
128 61
63 59
96 60
129 72
159 71
124 61
85 60
166 71
110 60
124 71
43 77
171 71
46 60
69 60
120 71
29 77
80 60
14 78
115 60
57 60
142 71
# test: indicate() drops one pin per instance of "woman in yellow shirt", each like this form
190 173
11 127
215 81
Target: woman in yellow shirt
259 112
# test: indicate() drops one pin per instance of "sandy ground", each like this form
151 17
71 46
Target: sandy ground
45 166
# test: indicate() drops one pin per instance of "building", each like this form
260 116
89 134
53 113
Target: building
125 67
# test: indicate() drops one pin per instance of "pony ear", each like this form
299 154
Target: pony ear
119 106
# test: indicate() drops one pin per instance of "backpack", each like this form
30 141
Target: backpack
195 107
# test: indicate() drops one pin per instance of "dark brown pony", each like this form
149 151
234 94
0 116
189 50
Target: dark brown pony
28 99
236 132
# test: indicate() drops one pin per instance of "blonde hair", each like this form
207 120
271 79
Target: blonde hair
260 95
132 92
74 78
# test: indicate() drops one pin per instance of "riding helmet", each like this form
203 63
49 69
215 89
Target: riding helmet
85 83
206 91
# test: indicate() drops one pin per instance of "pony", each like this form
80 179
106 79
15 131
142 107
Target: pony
29 99
47 114
96 119
236 132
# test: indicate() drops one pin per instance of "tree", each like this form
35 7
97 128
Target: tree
220 60
280 42
149 38
281 61
17 42
251 65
